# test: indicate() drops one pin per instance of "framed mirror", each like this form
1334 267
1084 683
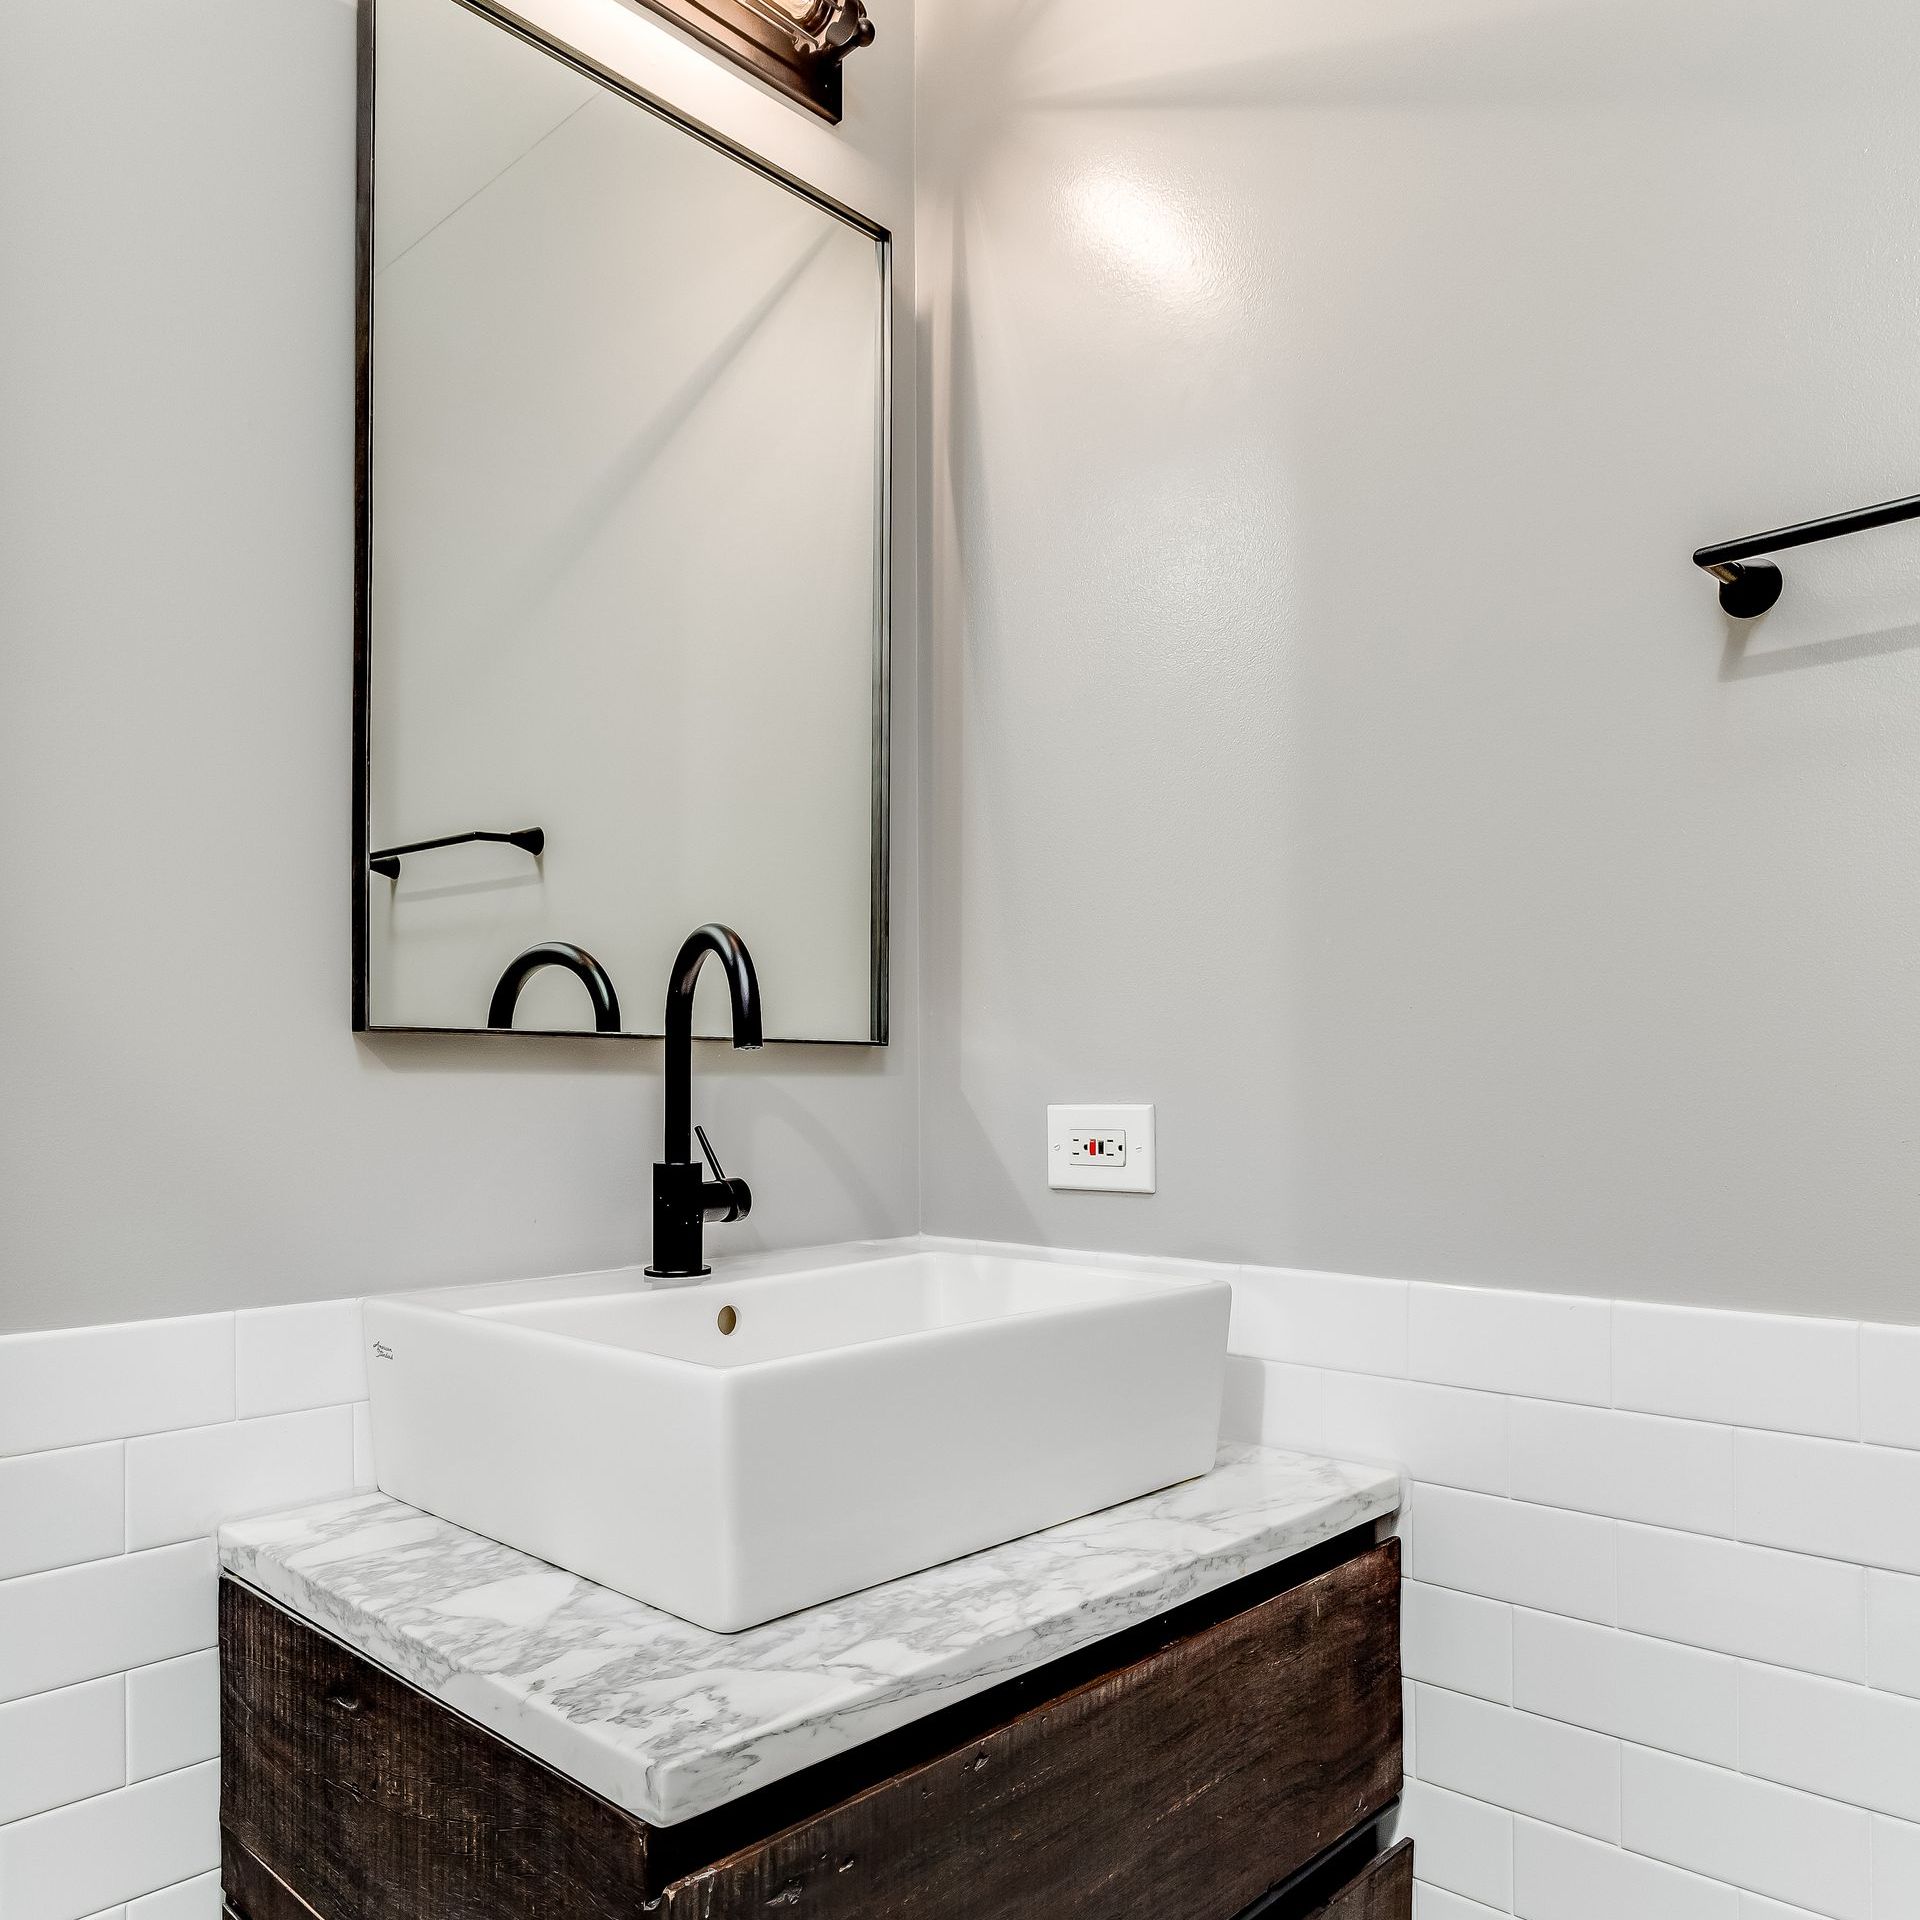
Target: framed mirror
622 603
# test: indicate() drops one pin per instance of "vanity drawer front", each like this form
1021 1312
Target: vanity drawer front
1382 1890
347 1795
1188 1783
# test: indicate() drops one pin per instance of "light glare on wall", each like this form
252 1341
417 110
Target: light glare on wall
1142 234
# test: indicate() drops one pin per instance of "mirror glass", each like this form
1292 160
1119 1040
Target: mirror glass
624 549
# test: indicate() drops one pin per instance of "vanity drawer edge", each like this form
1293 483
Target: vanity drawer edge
1188 1783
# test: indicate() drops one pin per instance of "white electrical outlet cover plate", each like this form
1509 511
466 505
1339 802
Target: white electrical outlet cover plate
1131 1174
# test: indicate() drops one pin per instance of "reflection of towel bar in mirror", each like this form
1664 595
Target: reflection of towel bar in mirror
387 860
575 960
1749 587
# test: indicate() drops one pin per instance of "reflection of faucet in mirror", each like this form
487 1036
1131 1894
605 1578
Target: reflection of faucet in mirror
683 1199
557 953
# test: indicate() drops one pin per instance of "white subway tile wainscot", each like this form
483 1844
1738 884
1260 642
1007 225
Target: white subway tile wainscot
120 1451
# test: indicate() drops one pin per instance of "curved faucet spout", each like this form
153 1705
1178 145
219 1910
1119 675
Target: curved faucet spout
557 953
743 987
684 1200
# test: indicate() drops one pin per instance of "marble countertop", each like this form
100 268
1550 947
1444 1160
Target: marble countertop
669 1720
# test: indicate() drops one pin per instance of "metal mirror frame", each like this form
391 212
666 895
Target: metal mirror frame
542 42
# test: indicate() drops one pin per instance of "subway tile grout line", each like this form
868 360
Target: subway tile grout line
1735 1429
1622 1743
1627 1633
1860 1380
1613 1357
1639 1746
172 1886
107 1793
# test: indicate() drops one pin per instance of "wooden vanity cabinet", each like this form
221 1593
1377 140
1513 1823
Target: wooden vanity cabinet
1234 1757
1381 1890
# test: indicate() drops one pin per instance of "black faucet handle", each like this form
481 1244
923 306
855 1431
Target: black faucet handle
723 1199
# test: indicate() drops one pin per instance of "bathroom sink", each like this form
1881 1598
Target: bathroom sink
737 1449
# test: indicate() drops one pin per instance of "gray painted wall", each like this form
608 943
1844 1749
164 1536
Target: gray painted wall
1327 738
187 1122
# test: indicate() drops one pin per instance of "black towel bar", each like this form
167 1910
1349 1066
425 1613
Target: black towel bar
1749 587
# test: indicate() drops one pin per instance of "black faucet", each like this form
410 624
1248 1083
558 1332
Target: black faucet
556 953
683 1198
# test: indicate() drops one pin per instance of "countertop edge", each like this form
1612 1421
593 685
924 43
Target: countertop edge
666 1792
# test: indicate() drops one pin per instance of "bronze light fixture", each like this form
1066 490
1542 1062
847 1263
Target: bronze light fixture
818 26
795 45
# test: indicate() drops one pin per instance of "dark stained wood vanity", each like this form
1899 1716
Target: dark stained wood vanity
1237 1755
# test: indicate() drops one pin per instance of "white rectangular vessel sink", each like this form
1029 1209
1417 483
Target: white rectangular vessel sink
737 1449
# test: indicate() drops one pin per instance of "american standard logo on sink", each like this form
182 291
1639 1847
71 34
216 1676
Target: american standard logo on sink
381 1351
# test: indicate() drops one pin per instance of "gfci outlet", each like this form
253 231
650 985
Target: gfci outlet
1100 1149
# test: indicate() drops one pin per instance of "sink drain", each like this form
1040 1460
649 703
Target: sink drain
728 1320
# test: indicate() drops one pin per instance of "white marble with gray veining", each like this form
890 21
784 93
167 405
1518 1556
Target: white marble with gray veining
669 1720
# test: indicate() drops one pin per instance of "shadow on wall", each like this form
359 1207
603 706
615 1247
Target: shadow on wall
1740 662
1249 55
1243 1411
600 502
774 1106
